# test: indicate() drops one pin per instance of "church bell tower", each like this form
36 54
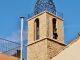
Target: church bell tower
45 31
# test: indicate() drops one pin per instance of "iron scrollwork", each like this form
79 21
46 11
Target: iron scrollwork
42 5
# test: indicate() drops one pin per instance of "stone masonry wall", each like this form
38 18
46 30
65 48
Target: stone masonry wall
44 49
42 27
59 26
53 48
37 50
46 27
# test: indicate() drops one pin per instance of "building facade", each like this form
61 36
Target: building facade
46 34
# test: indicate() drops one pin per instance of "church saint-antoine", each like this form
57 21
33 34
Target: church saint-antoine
46 35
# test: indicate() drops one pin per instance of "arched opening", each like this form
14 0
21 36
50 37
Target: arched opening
54 29
37 35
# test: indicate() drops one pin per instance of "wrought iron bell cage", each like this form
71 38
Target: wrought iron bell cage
42 5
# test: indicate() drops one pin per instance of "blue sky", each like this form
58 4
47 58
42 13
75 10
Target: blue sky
11 10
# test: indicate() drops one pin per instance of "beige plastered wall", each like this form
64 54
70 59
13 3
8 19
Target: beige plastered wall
70 53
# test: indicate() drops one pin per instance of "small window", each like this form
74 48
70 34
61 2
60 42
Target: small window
54 29
37 29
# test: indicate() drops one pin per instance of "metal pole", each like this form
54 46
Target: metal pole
21 55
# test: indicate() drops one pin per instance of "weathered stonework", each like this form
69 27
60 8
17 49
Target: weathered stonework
53 48
46 30
31 27
59 24
37 50
45 47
